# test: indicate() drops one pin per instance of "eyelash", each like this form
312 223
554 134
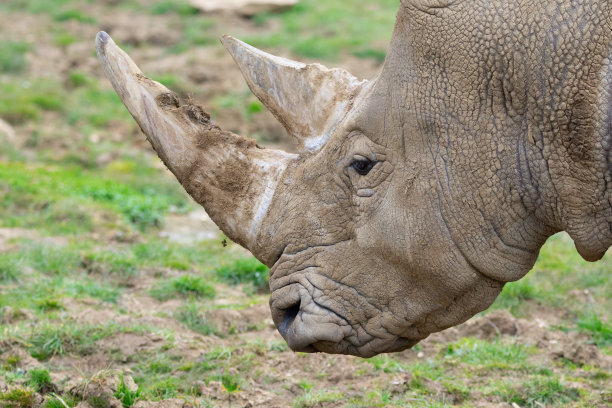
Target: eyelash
363 167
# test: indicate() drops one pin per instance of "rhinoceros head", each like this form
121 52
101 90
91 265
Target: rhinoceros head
415 196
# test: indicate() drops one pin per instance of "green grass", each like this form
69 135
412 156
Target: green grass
244 102
39 293
196 31
54 402
91 106
87 106
165 376
374 398
497 354
125 395
191 316
78 79
12 55
23 101
428 369
179 257
47 259
59 10
328 30
33 296
180 7
515 294
121 263
178 84
10 267
158 253
39 379
541 391
554 280
72 14
17 397
245 270
50 340
35 6
184 286
52 260
311 399
386 364
63 38
92 289
600 331
61 199
231 382
39 275
60 337
164 389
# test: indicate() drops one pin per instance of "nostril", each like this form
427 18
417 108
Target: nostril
290 315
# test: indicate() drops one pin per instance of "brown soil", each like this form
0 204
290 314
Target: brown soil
280 372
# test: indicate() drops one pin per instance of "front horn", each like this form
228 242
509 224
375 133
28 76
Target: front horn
230 176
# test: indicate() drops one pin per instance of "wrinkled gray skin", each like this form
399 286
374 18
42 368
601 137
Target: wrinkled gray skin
490 130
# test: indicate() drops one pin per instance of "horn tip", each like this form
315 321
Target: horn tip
227 40
101 40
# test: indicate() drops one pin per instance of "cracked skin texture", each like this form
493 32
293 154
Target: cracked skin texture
490 130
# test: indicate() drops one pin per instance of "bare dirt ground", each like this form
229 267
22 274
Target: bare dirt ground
275 376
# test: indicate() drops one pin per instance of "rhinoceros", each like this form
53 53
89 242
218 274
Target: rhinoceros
416 195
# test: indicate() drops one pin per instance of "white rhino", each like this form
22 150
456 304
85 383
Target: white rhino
417 195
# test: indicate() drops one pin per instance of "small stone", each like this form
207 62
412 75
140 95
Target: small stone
170 403
129 383
7 132
8 314
245 8
113 402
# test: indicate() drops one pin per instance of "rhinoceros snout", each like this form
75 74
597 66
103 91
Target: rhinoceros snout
303 322
288 316
292 330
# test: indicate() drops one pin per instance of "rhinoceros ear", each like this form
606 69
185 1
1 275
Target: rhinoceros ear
309 100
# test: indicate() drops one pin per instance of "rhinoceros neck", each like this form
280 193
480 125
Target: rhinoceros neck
569 108
515 105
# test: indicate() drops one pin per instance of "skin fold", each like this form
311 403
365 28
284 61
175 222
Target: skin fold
418 194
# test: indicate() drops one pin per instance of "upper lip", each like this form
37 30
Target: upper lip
323 306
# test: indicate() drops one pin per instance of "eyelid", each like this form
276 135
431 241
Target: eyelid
359 157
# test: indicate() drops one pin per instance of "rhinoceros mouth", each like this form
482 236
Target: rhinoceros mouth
304 320
311 322
366 351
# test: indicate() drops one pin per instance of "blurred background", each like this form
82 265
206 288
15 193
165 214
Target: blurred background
116 288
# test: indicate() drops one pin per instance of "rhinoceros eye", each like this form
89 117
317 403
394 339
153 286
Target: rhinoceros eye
363 166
